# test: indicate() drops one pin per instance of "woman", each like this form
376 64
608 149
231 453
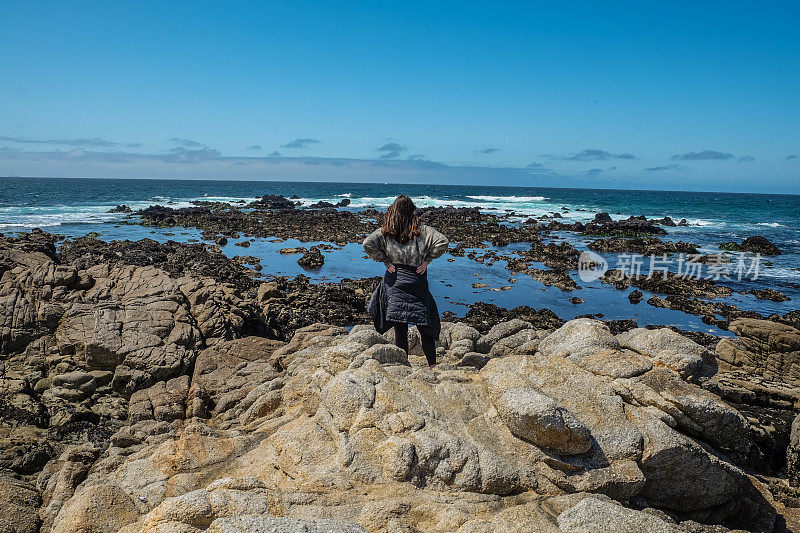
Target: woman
406 247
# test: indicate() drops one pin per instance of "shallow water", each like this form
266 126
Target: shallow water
77 207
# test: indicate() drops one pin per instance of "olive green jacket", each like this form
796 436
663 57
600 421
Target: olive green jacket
426 246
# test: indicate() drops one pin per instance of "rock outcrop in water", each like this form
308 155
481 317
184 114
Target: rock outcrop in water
756 244
272 201
642 245
604 225
312 259
141 393
274 218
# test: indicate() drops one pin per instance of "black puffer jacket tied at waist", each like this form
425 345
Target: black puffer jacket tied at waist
403 297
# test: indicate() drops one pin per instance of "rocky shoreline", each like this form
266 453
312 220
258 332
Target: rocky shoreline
166 387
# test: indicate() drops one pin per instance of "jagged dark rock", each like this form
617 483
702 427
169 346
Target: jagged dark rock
266 220
271 201
671 284
327 205
483 316
759 245
755 244
177 259
642 245
623 228
769 294
312 259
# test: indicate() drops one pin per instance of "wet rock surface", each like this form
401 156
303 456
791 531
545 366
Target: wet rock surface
559 258
669 284
483 316
177 259
312 259
265 220
277 218
606 226
643 246
469 228
472 228
769 294
291 303
696 296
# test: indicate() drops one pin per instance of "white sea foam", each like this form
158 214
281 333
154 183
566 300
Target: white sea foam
49 216
175 204
227 199
771 224
30 220
509 198
701 222
384 201
780 272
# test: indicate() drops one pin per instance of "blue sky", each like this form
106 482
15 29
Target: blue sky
680 95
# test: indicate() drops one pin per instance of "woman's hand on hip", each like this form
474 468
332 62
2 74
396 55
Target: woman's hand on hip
391 269
422 268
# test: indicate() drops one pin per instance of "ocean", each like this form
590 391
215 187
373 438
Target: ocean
75 207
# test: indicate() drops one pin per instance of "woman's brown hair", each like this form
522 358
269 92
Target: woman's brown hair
401 222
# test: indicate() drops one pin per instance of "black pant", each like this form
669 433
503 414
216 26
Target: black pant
428 342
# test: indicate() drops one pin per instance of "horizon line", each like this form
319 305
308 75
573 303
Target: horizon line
256 180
